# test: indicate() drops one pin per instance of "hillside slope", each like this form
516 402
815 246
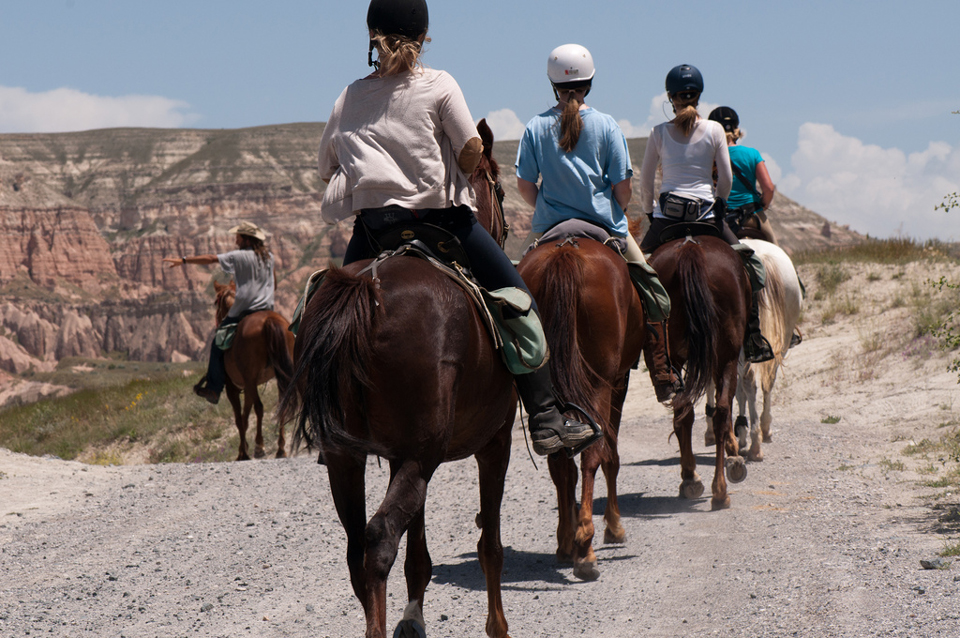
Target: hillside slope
85 219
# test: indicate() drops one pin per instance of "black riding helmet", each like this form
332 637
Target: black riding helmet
727 117
407 18
683 79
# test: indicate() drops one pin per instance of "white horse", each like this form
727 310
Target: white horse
781 301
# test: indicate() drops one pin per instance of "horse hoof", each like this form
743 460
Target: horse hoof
614 537
720 503
564 558
691 489
586 570
742 431
409 629
755 457
767 438
708 437
281 454
259 453
736 469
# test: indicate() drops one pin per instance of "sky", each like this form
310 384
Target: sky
851 103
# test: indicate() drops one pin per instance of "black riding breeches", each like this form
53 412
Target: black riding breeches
651 240
216 370
489 264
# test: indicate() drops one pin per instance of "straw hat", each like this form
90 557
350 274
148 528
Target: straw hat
250 230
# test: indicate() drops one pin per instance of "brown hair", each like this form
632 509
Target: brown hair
570 124
396 53
686 111
257 246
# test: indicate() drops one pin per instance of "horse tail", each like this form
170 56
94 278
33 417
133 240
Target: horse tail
573 377
337 332
278 354
703 320
773 321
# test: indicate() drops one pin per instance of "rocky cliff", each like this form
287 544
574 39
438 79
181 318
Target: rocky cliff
85 219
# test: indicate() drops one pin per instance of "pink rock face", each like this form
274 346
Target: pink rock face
86 219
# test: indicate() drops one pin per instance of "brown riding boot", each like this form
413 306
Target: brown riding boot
666 382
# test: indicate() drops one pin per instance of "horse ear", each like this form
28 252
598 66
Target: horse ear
486 136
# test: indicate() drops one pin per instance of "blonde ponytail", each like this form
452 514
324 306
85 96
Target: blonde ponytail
396 53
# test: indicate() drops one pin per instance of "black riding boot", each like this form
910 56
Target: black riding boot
549 431
212 383
756 348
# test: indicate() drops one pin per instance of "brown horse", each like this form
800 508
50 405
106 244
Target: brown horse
262 349
399 365
595 328
710 297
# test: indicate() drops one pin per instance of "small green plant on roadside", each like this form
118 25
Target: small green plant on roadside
951 549
886 465
830 420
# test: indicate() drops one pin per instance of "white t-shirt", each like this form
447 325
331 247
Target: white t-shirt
254 280
394 141
687 163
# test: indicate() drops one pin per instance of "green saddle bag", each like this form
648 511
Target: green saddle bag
223 338
519 331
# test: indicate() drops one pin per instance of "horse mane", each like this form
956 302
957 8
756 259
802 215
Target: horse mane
773 320
226 294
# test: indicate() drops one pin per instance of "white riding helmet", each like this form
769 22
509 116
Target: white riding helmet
570 66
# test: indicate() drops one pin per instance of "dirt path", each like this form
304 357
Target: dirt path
824 538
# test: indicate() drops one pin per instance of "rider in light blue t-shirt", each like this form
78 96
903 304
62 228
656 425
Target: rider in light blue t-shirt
576 184
580 157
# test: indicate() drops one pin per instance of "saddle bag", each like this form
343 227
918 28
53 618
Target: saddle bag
524 344
223 338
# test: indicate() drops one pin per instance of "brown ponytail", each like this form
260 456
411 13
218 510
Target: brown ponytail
570 125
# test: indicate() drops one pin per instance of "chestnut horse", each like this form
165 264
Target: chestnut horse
781 302
710 297
397 363
595 329
262 349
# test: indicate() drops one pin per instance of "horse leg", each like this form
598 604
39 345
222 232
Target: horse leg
726 442
708 438
239 418
253 396
563 471
690 486
417 568
281 439
614 532
402 505
492 462
766 418
755 453
584 560
347 475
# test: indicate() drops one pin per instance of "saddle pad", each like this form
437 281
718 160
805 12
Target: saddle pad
572 228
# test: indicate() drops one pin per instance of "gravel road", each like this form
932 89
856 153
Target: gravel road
822 539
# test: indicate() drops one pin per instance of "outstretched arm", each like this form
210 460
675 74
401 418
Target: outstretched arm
201 260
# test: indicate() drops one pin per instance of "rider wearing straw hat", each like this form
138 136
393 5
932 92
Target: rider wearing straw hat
251 265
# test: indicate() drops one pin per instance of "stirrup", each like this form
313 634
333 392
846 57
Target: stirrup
796 338
597 432
758 353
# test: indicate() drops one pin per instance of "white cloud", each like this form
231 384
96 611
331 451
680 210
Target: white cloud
66 109
505 125
880 191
